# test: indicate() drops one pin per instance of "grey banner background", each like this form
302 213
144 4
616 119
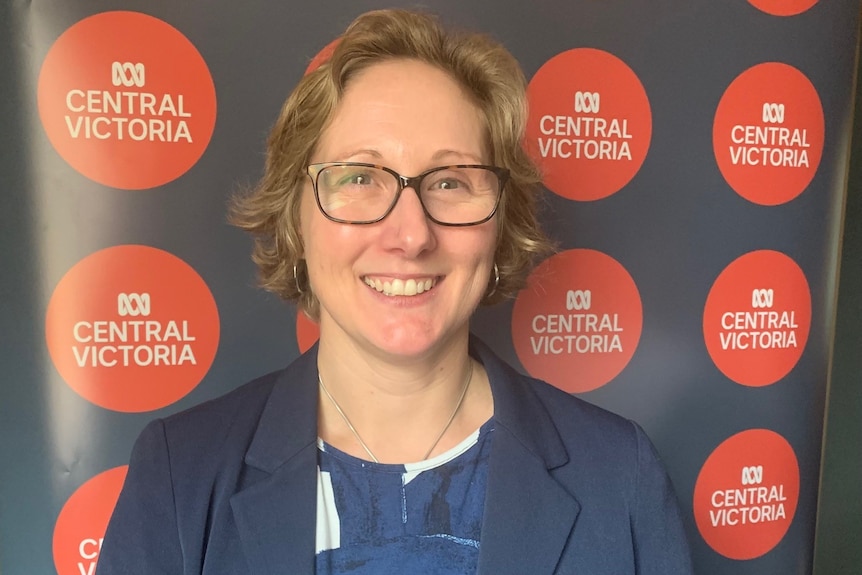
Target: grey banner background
674 228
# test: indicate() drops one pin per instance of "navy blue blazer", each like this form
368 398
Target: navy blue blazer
229 487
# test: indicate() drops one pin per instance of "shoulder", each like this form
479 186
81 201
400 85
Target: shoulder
602 460
610 458
548 410
239 411
612 444
580 420
274 412
215 433
567 431
234 412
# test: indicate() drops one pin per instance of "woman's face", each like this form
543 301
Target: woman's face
410 117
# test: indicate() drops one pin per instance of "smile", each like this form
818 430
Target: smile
401 287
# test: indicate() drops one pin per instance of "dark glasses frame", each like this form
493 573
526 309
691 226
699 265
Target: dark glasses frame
415 182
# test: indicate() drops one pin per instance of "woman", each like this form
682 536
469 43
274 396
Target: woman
396 199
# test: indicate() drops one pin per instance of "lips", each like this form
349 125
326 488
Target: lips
399 287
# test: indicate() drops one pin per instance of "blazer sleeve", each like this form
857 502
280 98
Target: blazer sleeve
660 543
142 536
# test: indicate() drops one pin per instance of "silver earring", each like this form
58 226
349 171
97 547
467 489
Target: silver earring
496 281
296 281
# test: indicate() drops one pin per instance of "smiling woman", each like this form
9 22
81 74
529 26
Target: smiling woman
400 443
377 120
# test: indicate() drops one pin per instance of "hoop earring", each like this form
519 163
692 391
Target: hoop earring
496 282
296 281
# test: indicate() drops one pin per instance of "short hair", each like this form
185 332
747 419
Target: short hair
487 72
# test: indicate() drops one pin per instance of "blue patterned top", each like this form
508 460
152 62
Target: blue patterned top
423 517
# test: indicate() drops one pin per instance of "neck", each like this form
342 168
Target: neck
363 366
399 406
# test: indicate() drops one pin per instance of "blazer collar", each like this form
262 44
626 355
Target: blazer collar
528 515
519 410
276 512
288 422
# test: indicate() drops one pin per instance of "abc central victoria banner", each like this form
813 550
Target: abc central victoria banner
693 156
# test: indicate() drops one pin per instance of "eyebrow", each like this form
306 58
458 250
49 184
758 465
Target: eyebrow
361 152
442 154
438 156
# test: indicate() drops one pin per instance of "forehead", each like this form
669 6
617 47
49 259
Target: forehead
404 109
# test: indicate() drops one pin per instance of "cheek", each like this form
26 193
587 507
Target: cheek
330 248
486 241
477 254
307 209
317 232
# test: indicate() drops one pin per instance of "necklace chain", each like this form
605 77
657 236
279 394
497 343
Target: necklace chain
365 445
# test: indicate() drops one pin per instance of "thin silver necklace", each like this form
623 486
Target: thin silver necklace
365 446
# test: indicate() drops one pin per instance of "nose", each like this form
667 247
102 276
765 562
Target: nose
408 229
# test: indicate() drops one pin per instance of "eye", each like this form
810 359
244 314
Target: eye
346 178
356 179
449 184
449 180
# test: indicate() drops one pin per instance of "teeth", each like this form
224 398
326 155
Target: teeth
400 287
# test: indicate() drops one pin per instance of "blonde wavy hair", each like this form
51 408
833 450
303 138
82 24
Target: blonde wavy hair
486 70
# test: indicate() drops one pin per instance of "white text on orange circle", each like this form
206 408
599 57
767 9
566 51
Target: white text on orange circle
589 137
138 116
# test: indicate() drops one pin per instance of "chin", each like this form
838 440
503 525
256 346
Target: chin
406 343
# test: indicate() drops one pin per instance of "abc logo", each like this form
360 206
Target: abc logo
578 300
773 113
133 304
128 74
752 475
587 102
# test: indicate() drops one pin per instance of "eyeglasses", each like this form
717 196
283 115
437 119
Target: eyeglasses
357 193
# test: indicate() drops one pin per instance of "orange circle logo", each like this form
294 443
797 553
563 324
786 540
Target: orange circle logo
83 520
132 328
590 123
577 323
783 7
127 100
757 318
768 133
307 332
746 494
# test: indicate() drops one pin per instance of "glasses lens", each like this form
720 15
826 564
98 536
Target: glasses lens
451 195
355 193
456 195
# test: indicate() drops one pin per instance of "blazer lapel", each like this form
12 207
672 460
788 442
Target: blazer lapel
275 512
528 515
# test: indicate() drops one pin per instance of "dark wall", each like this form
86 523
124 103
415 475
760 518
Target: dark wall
838 547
